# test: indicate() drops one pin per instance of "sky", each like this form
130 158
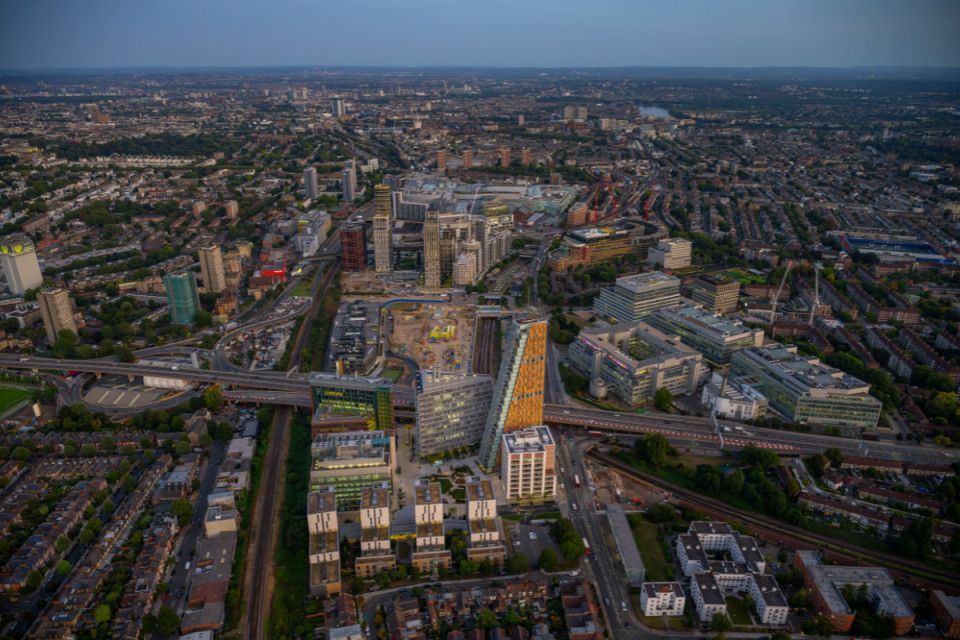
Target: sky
63 34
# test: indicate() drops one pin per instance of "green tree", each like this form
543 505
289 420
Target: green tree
486 619
86 536
167 620
780 635
107 444
22 454
69 451
34 578
212 399
205 440
182 509
149 623
108 506
663 399
62 544
720 622
103 614
654 448
518 563
548 560
835 456
63 568
88 450
183 448
129 484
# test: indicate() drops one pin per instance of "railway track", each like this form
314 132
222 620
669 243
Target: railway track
266 508
776 529
483 359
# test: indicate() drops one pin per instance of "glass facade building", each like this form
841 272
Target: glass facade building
451 411
804 390
369 397
181 289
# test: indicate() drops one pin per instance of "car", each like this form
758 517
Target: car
574 505
533 536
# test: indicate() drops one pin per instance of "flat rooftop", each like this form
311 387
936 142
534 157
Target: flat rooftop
805 372
322 500
529 440
709 590
375 497
646 281
427 492
481 490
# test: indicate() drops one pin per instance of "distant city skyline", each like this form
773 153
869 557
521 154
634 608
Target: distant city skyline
53 34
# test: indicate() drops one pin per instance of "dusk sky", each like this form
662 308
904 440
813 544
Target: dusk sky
38 34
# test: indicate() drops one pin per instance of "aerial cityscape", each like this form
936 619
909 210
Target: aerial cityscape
454 348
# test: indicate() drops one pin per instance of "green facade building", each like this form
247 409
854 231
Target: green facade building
182 294
353 395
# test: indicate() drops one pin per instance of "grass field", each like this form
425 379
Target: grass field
737 610
392 374
652 553
10 397
305 286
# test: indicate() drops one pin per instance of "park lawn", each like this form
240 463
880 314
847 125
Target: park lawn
737 610
10 397
552 515
392 374
651 550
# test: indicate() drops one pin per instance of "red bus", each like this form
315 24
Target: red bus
586 546
576 481
595 434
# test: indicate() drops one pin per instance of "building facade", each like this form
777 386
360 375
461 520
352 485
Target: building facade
716 337
56 309
635 297
803 390
369 397
518 392
211 269
182 295
716 293
375 555
353 245
670 253
18 257
635 360
350 462
382 229
430 552
483 526
310 188
528 465
451 411
323 551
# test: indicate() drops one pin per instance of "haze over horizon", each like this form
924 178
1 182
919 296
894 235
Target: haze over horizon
52 34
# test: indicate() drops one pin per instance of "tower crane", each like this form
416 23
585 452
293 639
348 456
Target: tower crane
776 297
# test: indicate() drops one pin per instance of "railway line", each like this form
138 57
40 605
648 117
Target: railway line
483 359
266 509
777 530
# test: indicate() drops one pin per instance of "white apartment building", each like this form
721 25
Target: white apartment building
527 465
662 599
670 253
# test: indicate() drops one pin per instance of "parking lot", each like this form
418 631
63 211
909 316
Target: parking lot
520 533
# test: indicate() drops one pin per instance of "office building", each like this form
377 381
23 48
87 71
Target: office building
803 390
371 398
375 553
431 250
324 543
635 297
827 582
468 159
354 340
430 552
634 360
451 411
182 296
382 229
211 269
310 188
716 293
518 392
662 599
410 207
56 309
350 461
442 160
485 540
670 253
348 185
716 337
528 465
353 245
339 108
18 257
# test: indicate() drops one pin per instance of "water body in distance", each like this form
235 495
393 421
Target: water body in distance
656 112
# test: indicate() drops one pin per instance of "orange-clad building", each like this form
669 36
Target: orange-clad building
946 611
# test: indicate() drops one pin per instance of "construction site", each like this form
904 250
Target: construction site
615 487
434 335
